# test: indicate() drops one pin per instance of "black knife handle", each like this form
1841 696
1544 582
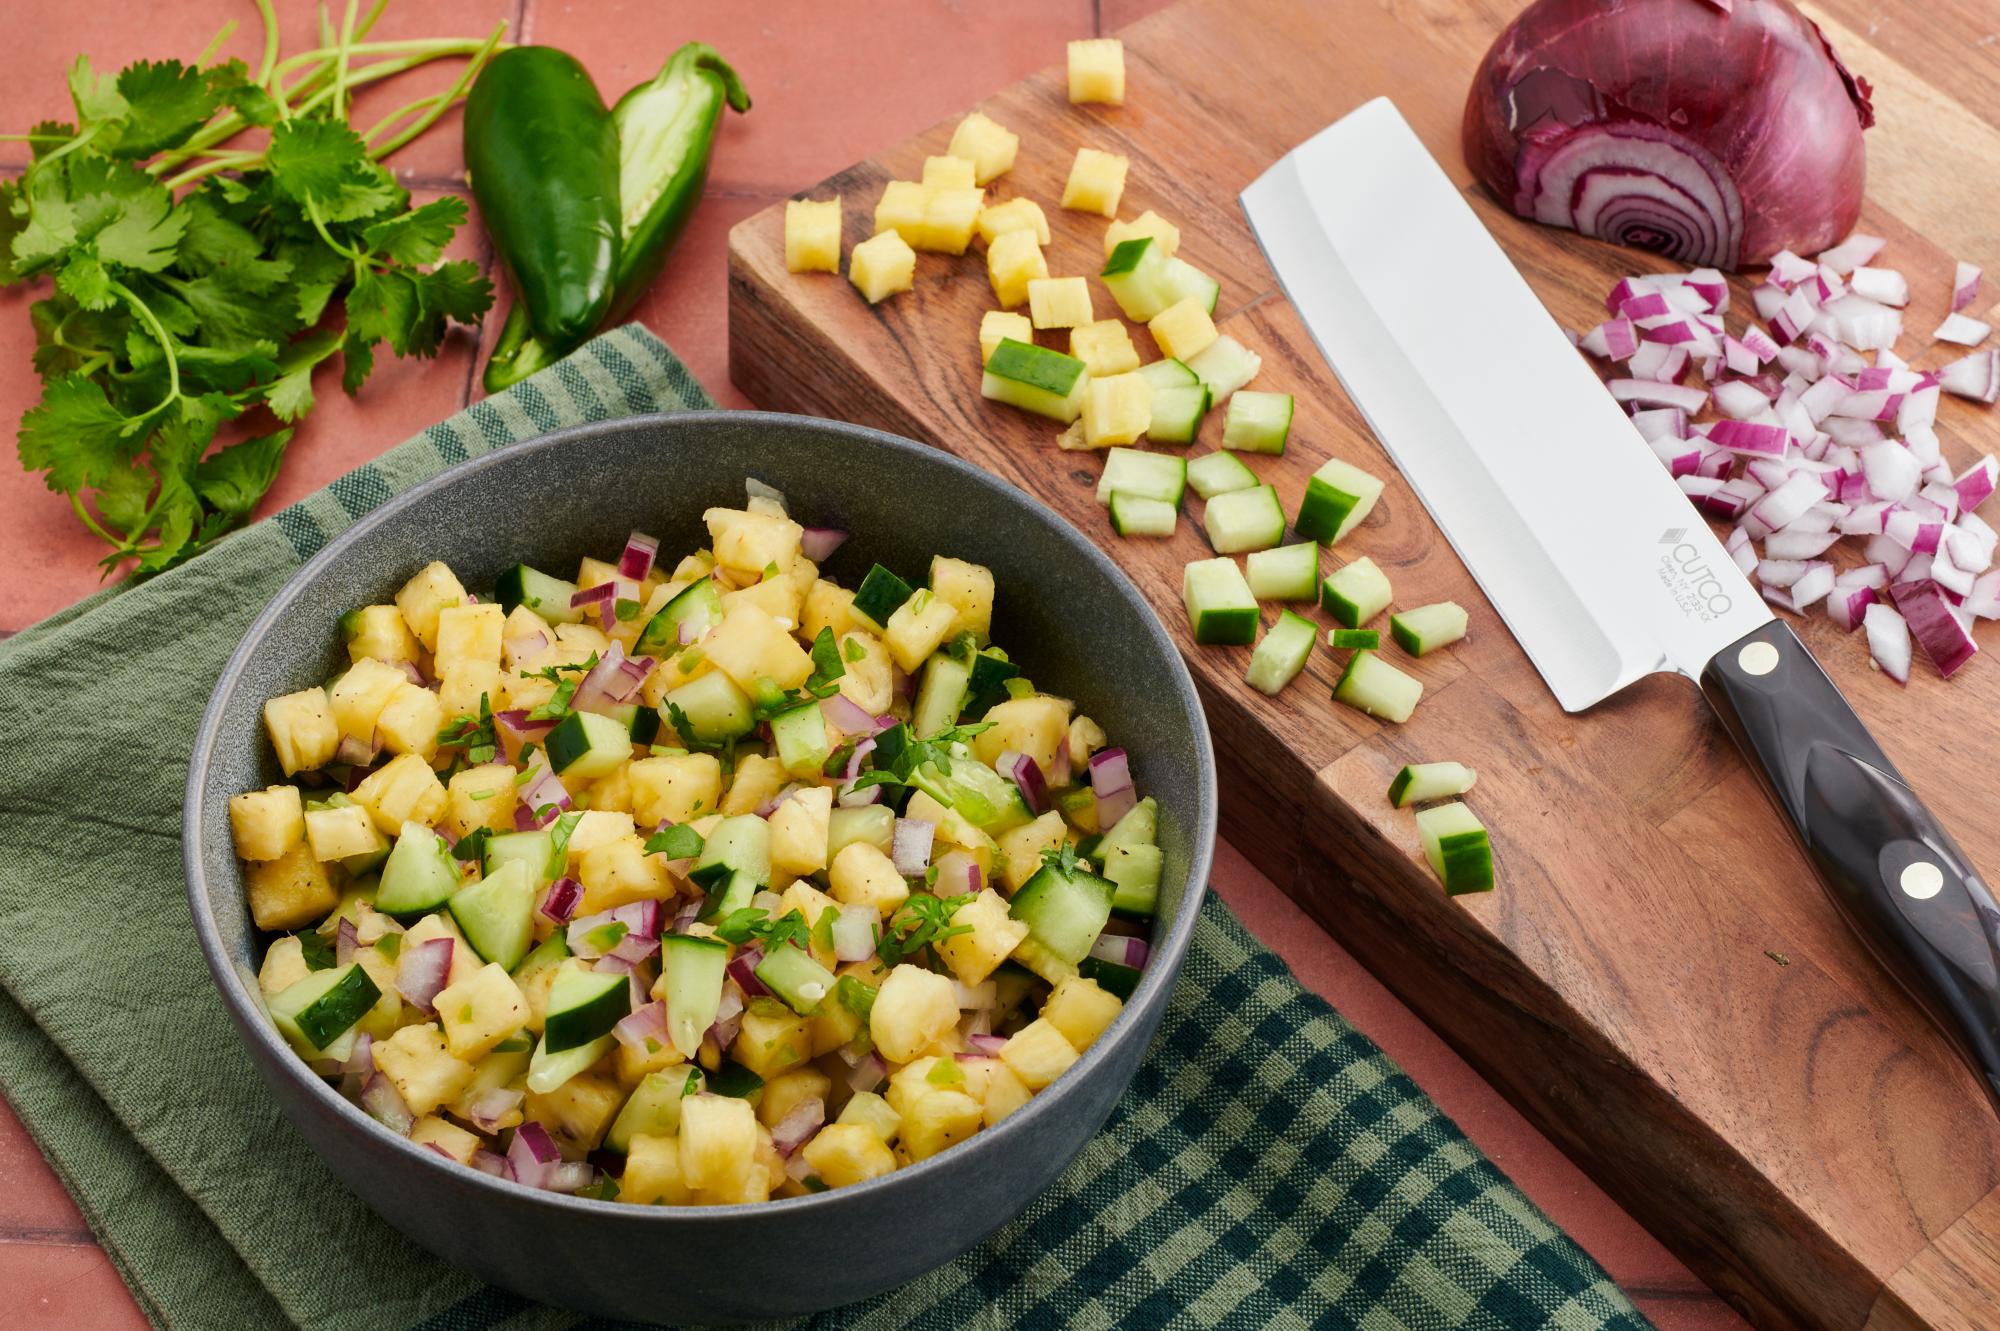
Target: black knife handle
1897 876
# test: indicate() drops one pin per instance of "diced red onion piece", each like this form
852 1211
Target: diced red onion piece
543 798
798 1125
1813 584
637 560
1660 423
559 903
1026 774
1849 254
743 970
610 965
1846 605
602 594
1985 598
532 1157
855 931
1648 393
423 970
1935 626
571 1176
345 942
910 846
643 1030
988 1045
850 798
1892 470
1964 286
846 716
1121 950
360 1064
819 543
385 1105
1614 339
861 751
867 1074
1963 329
1657 362
487 1162
356 754
1750 438
490 1106
1883 285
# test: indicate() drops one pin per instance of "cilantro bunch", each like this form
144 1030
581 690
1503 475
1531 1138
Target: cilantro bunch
194 280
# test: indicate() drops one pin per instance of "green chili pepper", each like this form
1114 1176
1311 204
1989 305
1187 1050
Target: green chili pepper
543 155
666 129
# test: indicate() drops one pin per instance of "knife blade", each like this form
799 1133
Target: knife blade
1586 546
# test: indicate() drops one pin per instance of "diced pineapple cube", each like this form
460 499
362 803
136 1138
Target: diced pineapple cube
378 631
447 1138
674 789
480 1011
747 542
1013 261
268 822
420 1067
1105 347
1021 849
358 697
619 872
461 688
465 962
1097 71
968 587
995 326
1117 410
1096 182
336 834
870 682
284 966
997 219
1148 223
635 1065
938 1120
862 875
869 1110
786 1092
911 1083
718 1141
1085 737
583 639
482 796
1005 1093
846 1153
799 832
772 1040
974 956
1059 302
610 793
424 596
901 209
757 779
1036 725
469 635
827 606
913 1008
812 235
579 1112
883 266
950 218
777 597
950 172
917 627
403 790
1184 329
302 730
989 146
653 1173
523 634
748 646
1081 1010
833 1027
290 891
1038 1053
409 721
598 826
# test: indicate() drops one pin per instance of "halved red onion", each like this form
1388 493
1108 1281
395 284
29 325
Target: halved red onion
1935 625
855 931
532 1157
637 560
1964 285
559 903
910 846
798 1125
643 1030
819 543
385 1105
423 970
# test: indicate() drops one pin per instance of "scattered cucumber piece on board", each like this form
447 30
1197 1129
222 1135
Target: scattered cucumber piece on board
1214 474
549 1068
880 595
496 914
584 1005
1372 685
1355 593
420 873
1036 379
1286 647
1219 603
1244 520
1428 627
1456 844
1135 515
1178 413
1257 422
315 1012
1338 496
1136 276
698 605
546 596
692 969
1354 639
1430 781
1168 373
1225 365
1182 280
1129 471
1288 573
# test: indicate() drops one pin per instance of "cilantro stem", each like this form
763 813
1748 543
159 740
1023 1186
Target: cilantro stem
83 514
352 255
340 58
438 105
269 18
242 160
215 43
152 322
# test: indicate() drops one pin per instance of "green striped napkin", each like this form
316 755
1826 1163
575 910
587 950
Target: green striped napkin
1270 1167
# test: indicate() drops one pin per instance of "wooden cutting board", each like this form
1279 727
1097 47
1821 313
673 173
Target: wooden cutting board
1658 982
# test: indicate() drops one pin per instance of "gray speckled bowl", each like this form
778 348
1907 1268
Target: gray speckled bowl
1078 625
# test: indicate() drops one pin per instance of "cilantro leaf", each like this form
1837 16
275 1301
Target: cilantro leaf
677 841
922 921
324 164
1063 859
165 102
827 669
234 479
75 435
419 236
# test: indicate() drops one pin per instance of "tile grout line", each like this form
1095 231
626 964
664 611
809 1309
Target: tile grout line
46 1236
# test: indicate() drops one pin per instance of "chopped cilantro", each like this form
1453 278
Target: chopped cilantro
922 921
752 924
677 841
559 835
472 846
318 949
566 678
1063 859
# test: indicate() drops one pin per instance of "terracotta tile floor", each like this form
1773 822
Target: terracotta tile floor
833 81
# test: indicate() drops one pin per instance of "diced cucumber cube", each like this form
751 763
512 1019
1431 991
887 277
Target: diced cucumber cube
549 1069
1214 474
546 596
1338 497
1135 515
1036 379
1430 781
1219 603
496 914
792 974
1244 520
588 745
1182 280
419 875
942 695
714 708
1135 871
1354 639
1225 365
1257 422
872 823
1288 573
1129 471
1168 373
799 733
692 969
654 1109
1428 627
880 595
1355 593
1456 844
1139 827
1064 912
583 1006
1136 277
695 609
1286 647
315 1012
1372 685
1177 413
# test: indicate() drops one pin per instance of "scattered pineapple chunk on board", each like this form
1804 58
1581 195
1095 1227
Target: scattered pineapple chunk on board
1097 71
882 266
987 144
1096 182
812 235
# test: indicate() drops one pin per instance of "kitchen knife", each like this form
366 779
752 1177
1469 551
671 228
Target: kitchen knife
1587 547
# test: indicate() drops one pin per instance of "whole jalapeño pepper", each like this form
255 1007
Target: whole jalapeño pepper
665 130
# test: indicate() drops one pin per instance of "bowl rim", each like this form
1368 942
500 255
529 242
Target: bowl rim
254 1024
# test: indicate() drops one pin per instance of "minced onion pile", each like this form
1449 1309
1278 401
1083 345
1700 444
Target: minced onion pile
1820 432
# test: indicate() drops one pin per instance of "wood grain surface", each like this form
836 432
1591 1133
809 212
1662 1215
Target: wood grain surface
1658 983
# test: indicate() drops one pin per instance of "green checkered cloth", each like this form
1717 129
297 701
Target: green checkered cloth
1270 1167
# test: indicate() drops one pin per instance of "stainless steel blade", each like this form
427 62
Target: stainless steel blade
1573 529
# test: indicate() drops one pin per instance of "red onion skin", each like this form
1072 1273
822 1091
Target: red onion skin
1758 90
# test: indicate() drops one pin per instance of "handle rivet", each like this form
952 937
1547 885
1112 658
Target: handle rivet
1922 879
1758 658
